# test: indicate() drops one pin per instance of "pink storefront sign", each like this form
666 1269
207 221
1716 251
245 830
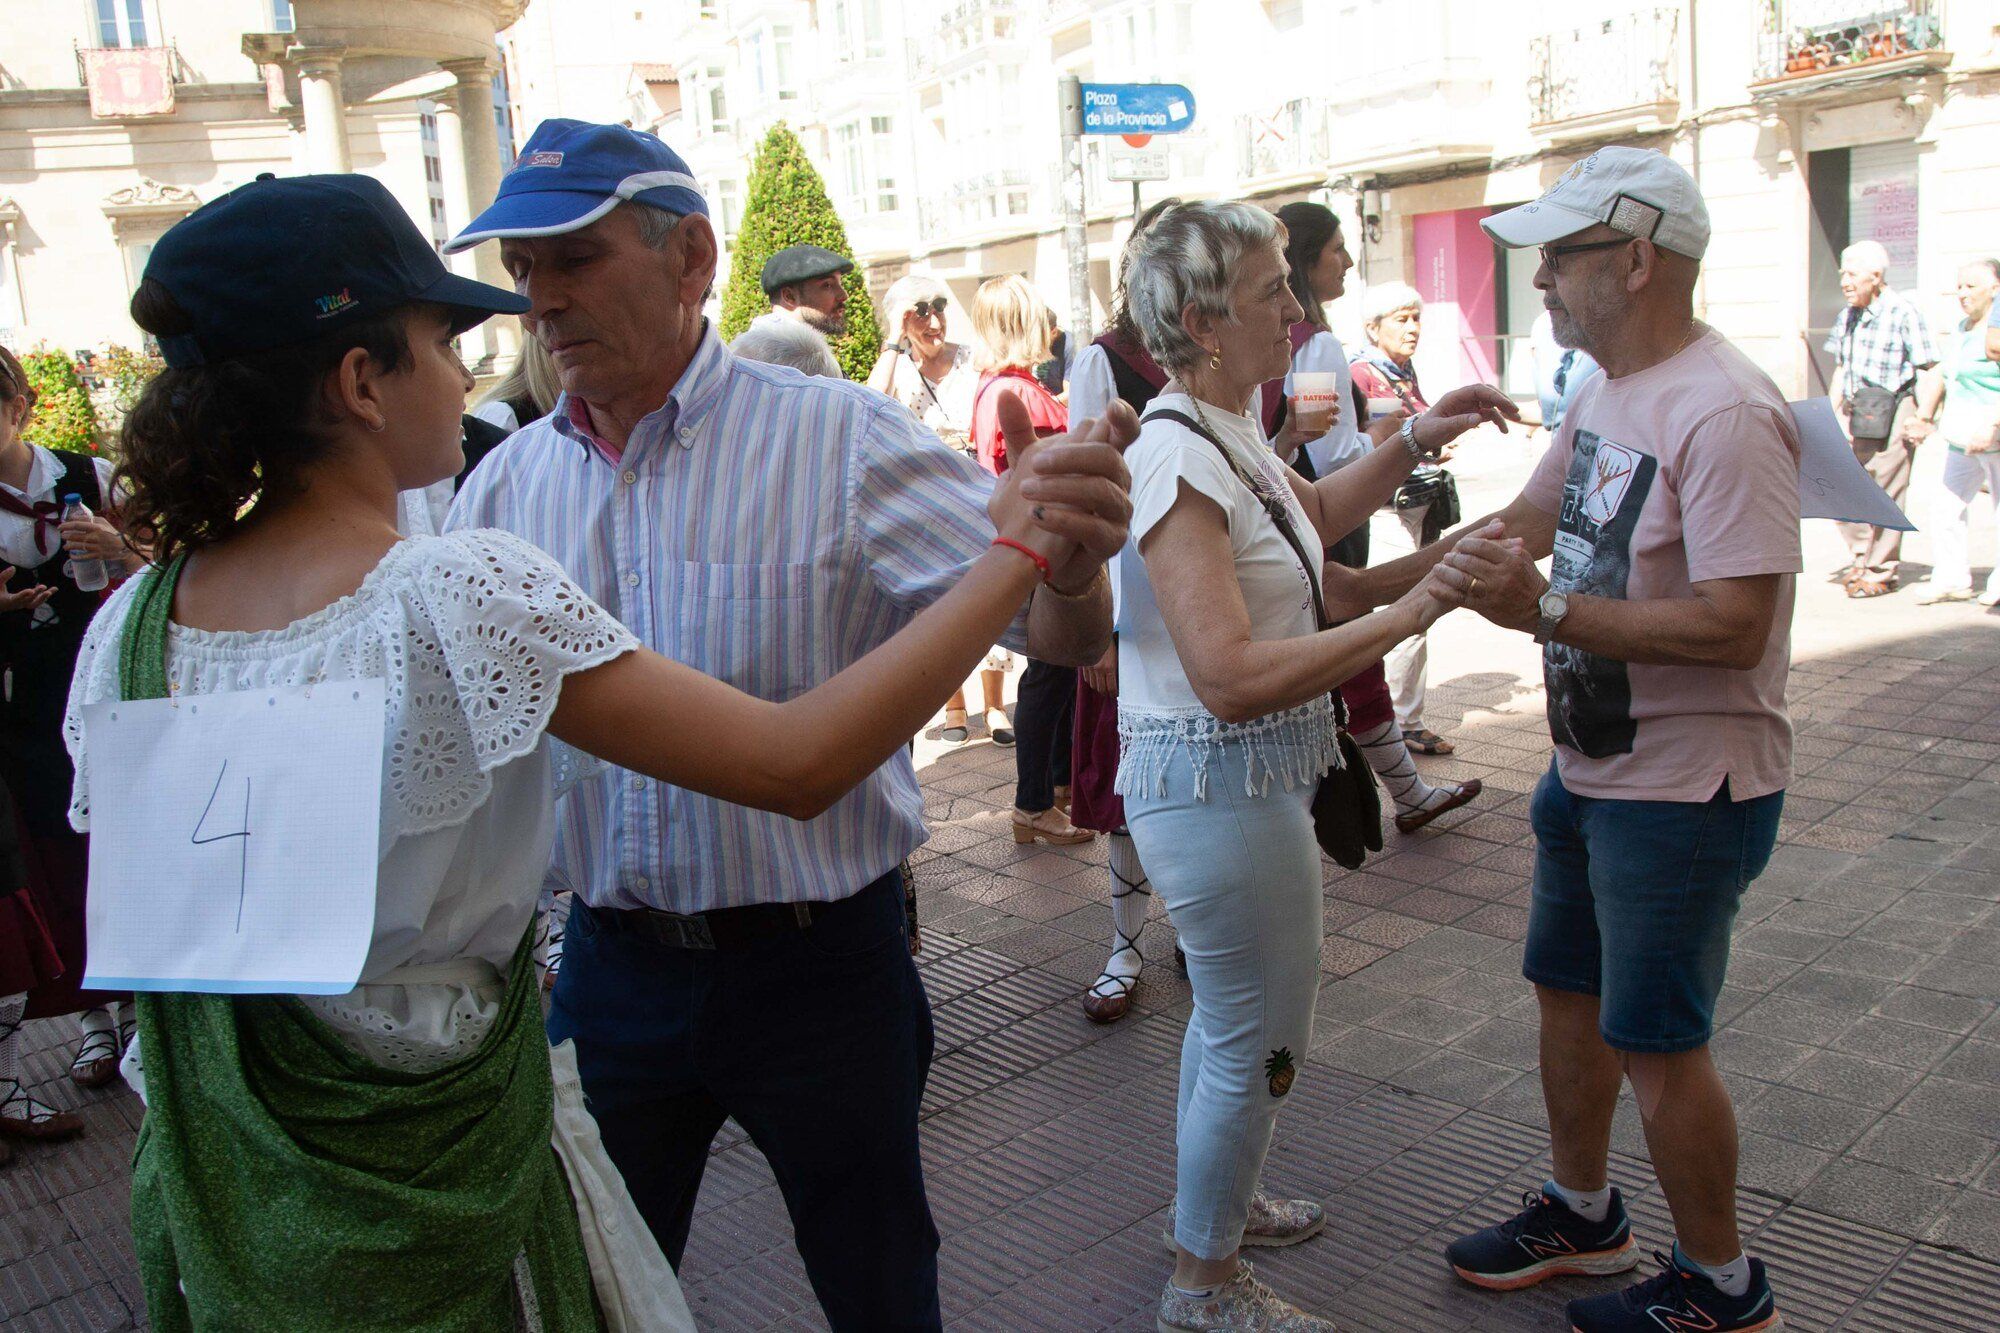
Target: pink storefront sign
1454 275
129 82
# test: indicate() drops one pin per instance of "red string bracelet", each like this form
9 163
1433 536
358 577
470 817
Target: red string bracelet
1041 561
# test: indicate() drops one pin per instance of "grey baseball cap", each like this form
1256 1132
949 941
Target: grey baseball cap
1638 191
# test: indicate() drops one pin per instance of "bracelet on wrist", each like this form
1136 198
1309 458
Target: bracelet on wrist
1081 593
1041 561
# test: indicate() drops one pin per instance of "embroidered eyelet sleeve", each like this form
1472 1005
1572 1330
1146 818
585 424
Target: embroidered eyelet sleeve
94 680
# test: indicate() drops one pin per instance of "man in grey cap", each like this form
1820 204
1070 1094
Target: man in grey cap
1669 499
804 282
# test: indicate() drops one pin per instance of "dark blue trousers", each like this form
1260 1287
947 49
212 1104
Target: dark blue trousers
816 1042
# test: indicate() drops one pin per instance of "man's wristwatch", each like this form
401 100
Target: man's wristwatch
1553 607
1407 433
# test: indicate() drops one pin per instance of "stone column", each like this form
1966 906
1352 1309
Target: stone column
324 106
469 156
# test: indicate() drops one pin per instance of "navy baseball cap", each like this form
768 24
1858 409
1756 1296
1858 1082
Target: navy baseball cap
278 262
571 173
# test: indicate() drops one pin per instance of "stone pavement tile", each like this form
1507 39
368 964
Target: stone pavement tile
1978 942
1799 946
1502 1041
1853 1079
1427 1020
1934 1291
1794 1020
1924 1149
1483 992
1976 1061
46 1277
1462 1080
1972 1224
1876 1196
1737 1051
1846 992
1821 1266
1961 976
1926 936
1968 1107
1509 923
1391 930
1354 1000
1896 1042
1758 972
1872 958
1410 976
1779 1167
1806 1117
1340 956
97 1309
1949 1013
1372 1054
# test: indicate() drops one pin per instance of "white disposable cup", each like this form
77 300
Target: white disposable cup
1316 399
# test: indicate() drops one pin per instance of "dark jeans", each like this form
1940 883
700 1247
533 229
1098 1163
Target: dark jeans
1044 716
817 1043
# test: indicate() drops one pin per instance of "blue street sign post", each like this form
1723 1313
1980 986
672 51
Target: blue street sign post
1137 108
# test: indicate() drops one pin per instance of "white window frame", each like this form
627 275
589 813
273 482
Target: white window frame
127 19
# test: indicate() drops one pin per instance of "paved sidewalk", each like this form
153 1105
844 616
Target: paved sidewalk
1860 1039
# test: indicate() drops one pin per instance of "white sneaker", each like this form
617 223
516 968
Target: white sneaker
1243 1305
1933 596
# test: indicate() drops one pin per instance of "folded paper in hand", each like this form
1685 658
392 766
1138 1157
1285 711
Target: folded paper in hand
1832 482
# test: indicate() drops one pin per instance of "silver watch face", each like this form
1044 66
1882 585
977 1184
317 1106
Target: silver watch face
1554 605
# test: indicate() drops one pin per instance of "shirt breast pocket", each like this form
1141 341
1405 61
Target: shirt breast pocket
754 626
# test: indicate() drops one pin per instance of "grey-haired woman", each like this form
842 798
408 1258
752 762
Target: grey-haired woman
1225 721
922 368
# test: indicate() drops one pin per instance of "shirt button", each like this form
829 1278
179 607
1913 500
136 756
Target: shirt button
632 579
638 783
686 432
642 883
631 477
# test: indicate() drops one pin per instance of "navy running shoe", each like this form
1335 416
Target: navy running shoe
1680 1299
1546 1239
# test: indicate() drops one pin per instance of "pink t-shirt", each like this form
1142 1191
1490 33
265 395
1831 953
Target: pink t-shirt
1679 474
1045 412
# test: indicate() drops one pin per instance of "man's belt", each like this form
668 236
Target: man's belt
724 929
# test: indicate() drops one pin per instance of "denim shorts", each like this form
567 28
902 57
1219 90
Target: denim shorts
1634 901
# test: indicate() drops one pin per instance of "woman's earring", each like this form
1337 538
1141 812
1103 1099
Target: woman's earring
379 427
1215 359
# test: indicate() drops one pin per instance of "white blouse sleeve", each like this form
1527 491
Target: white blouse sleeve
1164 456
94 680
508 626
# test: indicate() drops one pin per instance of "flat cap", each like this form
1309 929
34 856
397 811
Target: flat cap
801 263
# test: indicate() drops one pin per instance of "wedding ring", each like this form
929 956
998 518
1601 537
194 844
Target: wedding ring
1472 590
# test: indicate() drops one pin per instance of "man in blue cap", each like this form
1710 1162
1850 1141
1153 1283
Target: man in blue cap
767 528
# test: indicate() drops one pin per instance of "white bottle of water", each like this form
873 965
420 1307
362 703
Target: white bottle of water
90 573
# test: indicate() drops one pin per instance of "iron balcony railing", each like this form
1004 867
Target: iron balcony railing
1630 60
1806 37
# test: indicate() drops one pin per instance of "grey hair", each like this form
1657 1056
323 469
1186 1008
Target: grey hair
656 224
902 298
1866 257
782 340
1383 299
1189 257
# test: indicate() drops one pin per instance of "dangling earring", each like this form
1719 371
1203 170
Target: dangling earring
1215 359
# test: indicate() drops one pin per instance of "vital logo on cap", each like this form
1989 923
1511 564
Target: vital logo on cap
334 304
544 158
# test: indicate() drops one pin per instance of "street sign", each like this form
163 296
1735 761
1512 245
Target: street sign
1137 108
1137 164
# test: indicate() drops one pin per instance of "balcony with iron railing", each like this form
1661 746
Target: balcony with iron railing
1815 46
1293 140
1619 75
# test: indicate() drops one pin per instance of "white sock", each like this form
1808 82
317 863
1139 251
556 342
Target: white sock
1732 1278
1196 1293
98 1020
1390 759
1130 892
1590 1205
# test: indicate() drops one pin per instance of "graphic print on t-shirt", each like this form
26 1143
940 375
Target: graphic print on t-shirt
1590 697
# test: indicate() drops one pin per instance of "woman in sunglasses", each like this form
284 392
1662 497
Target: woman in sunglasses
922 369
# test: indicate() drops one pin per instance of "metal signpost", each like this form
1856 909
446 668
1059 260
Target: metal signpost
1135 111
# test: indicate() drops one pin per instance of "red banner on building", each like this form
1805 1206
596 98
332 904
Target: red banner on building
129 81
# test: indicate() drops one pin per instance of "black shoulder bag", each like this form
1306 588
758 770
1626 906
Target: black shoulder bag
1346 810
1871 411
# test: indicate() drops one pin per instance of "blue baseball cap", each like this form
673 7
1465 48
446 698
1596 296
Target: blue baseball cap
571 173
279 262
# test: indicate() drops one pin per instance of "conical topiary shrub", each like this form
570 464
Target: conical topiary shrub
788 205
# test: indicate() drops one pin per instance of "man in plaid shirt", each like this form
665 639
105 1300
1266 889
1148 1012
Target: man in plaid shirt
1881 340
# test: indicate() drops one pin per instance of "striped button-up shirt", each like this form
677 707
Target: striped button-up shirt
768 529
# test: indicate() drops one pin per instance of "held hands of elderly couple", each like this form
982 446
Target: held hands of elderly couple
1067 497
1493 574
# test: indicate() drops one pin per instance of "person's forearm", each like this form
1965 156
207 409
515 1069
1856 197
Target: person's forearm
1262 676
1384 583
1070 631
1347 497
1666 631
1930 396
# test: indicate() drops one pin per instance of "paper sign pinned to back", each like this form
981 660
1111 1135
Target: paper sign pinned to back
1832 482
234 839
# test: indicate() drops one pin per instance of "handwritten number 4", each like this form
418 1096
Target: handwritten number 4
201 839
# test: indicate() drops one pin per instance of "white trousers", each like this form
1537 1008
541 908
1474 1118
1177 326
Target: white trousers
1392 534
1951 519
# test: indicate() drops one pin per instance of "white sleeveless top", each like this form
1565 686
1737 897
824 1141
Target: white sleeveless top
472 634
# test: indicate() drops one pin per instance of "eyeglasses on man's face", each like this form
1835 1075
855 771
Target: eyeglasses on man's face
925 309
1552 254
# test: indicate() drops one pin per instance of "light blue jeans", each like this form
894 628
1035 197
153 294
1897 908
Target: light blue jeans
1241 875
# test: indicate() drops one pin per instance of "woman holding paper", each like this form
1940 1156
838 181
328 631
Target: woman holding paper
386 1153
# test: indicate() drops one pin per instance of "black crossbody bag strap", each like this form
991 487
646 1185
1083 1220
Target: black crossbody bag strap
1280 515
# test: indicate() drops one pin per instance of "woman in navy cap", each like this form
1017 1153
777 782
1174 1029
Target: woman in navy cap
383 1159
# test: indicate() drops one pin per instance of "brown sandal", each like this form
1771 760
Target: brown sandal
1468 791
1862 588
1422 740
1051 826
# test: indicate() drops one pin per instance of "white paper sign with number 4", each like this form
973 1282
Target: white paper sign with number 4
234 839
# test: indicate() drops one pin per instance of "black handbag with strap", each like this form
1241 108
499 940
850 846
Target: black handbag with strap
1347 809
1871 410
